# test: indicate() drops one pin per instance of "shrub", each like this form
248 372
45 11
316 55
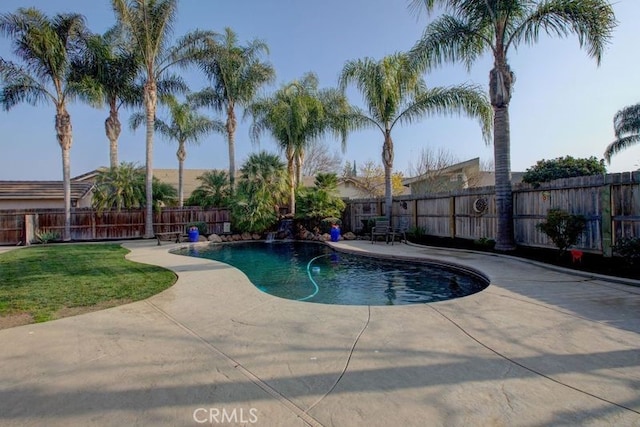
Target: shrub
485 242
326 223
629 249
564 229
563 167
416 232
45 237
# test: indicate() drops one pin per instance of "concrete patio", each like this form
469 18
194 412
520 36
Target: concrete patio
538 347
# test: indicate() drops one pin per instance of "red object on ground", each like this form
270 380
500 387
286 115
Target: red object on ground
576 255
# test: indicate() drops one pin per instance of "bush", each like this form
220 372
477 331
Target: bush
485 242
563 167
416 232
326 223
629 249
564 229
45 237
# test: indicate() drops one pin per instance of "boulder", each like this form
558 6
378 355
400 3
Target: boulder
215 238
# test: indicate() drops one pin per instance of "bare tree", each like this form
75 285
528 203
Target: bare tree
433 173
431 168
431 161
371 181
318 158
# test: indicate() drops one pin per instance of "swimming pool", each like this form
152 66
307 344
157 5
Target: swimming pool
314 272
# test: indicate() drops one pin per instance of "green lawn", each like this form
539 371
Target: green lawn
47 282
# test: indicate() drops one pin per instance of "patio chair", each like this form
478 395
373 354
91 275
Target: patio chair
382 227
401 229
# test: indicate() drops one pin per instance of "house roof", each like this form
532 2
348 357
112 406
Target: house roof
13 190
455 168
91 175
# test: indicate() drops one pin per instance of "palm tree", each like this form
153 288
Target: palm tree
295 115
46 46
626 124
106 75
123 187
262 188
478 26
395 92
149 24
120 187
186 125
236 73
321 201
212 191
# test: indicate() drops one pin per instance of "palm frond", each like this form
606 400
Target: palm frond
466 100
450 39
620 144
136 120
19 86
627 120
592 21
208 97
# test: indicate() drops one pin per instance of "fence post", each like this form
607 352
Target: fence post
30 227
606 224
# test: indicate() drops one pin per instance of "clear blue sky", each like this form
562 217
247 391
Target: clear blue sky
563 103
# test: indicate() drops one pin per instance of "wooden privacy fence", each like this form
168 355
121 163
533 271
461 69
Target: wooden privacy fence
88 224
610 203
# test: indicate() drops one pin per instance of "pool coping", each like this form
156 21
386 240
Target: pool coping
537 347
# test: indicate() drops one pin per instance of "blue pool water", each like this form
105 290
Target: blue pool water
313 272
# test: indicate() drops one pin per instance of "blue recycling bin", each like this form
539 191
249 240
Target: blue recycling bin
335 233
194 235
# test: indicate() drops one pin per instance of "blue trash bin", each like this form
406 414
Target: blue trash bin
194 235
335 233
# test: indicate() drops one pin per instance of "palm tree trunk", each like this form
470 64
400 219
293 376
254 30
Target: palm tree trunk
504 197
387 161
64 136
232 124
292 182
181 154
500 82
299 164
150 102
113 128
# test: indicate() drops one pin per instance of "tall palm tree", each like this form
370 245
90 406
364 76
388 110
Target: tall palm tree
149 25
295 115
46 46
626 124
236 73
474 27
107 75
395 92
185 125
